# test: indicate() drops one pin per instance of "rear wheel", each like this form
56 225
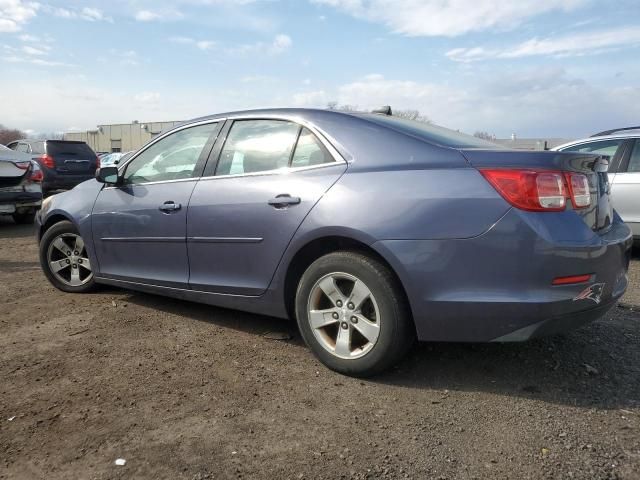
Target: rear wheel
353 314
64 259
24 218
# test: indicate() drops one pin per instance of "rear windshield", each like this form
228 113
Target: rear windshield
74 149
431 133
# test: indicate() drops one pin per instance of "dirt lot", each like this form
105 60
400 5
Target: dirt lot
188 391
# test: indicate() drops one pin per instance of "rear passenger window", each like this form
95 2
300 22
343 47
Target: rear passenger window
309 151
23 147
257 146
601 147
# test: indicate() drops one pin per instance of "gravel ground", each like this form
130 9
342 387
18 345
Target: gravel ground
187 391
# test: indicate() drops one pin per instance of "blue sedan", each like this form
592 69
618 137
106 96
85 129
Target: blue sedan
372 231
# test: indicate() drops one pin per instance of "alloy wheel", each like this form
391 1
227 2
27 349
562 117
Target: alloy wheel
343 315
68 260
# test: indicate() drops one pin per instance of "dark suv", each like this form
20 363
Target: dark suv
64 163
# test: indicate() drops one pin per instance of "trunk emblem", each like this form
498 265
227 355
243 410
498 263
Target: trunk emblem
592 292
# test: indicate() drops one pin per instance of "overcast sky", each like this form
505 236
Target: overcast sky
547 68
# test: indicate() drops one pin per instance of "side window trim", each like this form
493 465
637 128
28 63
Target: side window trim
214 155
202 159
295 146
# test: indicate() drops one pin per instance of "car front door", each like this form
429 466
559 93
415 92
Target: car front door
139 226
244 212
625 188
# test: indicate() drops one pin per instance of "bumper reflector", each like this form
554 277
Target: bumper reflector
571 280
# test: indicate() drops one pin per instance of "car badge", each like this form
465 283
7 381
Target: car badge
592 292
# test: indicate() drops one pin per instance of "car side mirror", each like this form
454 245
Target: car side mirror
108 175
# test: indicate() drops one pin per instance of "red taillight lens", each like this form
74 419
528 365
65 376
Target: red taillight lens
47 161
22 165
97 162
36 175
571 280
579 189
537 191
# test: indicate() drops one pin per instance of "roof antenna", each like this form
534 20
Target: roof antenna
386 110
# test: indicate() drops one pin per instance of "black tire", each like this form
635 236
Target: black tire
49 236
24 218
396 329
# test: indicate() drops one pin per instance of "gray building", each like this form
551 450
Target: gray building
121 137
530 143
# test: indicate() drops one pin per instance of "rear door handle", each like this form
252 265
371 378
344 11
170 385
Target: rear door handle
169 207
284 200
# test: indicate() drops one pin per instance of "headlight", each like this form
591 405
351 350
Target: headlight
46 203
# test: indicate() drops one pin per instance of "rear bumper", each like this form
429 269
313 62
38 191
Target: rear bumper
498 286
20 199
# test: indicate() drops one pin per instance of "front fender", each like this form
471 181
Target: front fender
75 206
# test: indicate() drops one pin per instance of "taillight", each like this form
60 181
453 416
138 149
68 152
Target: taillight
532 190
47 161
97 162
36 175
579 189
22 165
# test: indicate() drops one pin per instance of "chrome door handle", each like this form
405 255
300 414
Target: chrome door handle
284 200
169 207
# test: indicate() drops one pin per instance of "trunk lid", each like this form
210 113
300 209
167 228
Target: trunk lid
72 158
598 215
13 168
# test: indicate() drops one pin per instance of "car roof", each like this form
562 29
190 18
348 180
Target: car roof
304 112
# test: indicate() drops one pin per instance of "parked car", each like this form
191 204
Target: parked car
370 230
113 158
20 185
623 147
64 163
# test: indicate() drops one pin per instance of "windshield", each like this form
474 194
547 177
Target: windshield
431 133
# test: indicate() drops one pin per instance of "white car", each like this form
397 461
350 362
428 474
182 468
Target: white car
113 158
20 185
623 147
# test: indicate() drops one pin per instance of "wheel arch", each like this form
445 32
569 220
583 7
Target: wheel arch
52 220
318 247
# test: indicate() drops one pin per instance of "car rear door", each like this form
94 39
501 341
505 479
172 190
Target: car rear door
139 227
244 212
625 187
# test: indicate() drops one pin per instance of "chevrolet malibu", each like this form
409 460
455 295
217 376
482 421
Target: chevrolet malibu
370 230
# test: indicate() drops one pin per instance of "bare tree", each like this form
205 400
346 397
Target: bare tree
8 135
50 136
410 114
342 108
484 135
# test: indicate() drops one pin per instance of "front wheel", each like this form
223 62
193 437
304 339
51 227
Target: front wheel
353 314
64 259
